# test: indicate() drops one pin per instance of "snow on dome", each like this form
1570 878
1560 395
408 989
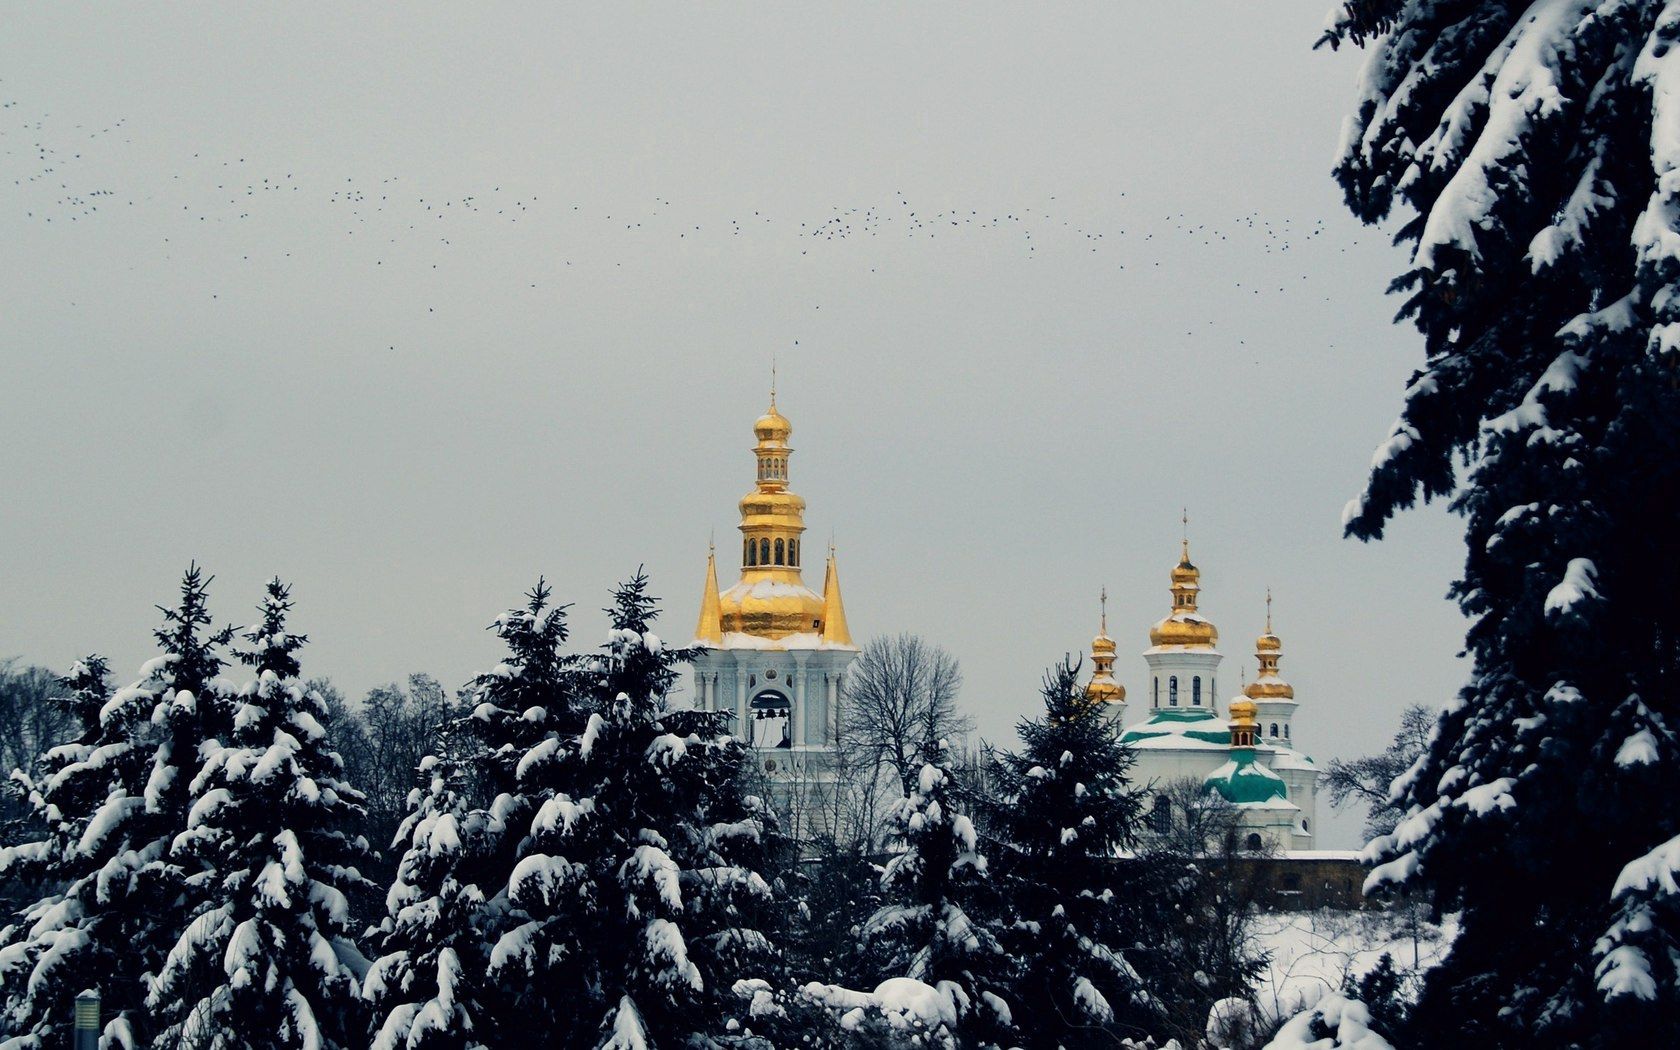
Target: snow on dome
1243 780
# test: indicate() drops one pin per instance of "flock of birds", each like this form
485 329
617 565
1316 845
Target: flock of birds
60 176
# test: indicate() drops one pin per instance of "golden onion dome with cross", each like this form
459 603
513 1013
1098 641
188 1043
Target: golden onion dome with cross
771 599
1102 688
1184 626
1268 648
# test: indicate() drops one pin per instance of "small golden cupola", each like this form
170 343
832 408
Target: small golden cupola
1184 627
1244 727
1103 689
1268 684
770 601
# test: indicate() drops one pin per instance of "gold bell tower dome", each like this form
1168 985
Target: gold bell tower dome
1185 627
770 606
1268 684
771 654
1103 689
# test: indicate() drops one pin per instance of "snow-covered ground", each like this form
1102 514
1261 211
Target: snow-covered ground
1313 953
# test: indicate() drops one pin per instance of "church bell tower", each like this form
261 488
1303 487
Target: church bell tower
773 652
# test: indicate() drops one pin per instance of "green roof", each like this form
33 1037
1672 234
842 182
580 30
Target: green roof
1244 780
1176 721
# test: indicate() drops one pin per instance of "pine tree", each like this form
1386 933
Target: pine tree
1534 146
937 924
113 805
1062 812
448 904
426 989
56 947
266 959
639 878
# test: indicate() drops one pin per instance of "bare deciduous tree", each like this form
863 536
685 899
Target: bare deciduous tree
31 720
1367 779
900 692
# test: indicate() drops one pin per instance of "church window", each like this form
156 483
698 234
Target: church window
1196 691
1154 692
1172 691
778 552
1274 729
793 552
1160 818
1305 825
764 552
1253 841
1286 730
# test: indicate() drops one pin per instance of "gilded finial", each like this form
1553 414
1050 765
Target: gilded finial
772 381
1104 599
1184 524
1268 610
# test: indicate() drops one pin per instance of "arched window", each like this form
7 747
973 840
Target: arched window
793 552
779 552
1253 841
1274 729
764 552
752 553
1306 825
1160 818
1172 691
1154 692
1286 730
1196 691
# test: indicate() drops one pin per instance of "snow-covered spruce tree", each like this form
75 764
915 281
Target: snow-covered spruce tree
937 925
266 959
426 989
55 947
1061 813
639 878
1535 148
121 794
448 904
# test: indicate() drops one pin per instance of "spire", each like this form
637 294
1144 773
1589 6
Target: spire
1268 648
1184 535
1184 626
834 629
1102 688
709 631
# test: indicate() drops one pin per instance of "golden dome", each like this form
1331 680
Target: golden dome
1103 689
1245 730
773 604
1184 626
1180 629
772 426
1184 572
1268 684
771 601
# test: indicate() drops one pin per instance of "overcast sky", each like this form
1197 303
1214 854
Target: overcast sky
412 306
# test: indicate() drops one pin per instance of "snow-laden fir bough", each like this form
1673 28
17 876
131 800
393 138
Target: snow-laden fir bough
1536 148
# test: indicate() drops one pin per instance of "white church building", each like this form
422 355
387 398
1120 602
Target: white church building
1246 754
773 653
771 650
